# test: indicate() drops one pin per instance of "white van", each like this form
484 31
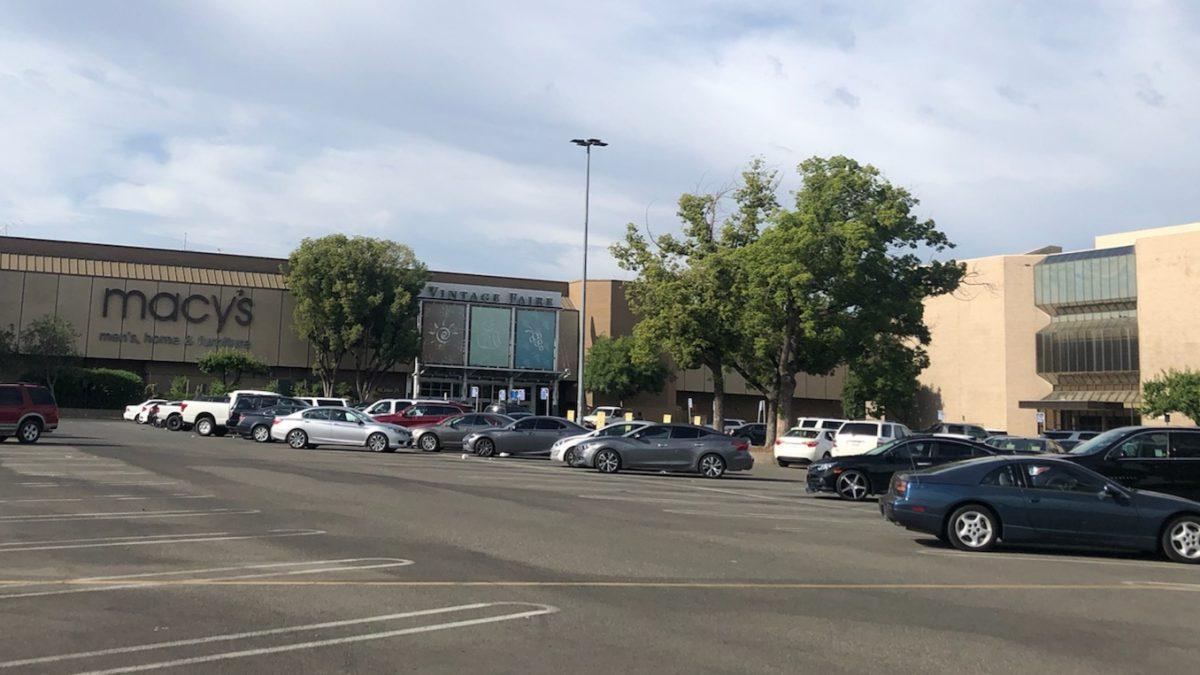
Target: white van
824 423
859 436
323 402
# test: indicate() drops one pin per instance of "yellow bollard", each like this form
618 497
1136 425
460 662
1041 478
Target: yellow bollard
628 417
667 418
696 420
571 415
600 420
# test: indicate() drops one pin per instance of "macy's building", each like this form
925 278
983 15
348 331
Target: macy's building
155 311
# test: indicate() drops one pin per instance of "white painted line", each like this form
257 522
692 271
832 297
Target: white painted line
1165 585
537 610
762 516
123 515
146 540
1034 557
129 483
273 570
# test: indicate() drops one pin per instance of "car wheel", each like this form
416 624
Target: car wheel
485 447
297 439
174 422
712 466
853 485
204 426
261 433
1181 540
782 463
3 438
377 442
29 431
973 528
608 461
430 443
569 458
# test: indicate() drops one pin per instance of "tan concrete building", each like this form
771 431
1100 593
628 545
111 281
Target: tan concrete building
156 311
1065 337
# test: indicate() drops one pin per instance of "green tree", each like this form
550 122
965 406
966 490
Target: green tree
882 381
618 368
356 296
180 389
48 347
1173 391
681 294
8 350
833 275
230 365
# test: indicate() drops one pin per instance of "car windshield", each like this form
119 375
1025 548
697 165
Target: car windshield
882 449
802 433
1099 442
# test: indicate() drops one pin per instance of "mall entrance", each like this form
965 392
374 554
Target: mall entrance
520 387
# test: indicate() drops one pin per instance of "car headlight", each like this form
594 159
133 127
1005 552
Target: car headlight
818 468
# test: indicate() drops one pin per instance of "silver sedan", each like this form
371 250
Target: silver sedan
669 447
312 427
449 433
527 436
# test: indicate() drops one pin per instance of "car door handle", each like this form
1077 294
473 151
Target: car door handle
1035 500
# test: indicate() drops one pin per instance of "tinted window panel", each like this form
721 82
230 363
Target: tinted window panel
685 432
860 428
831 424
1185 446
1144 446
41 396
316 415
952 451
653 432
10 396
526 425
1002 477
1056 477
549 425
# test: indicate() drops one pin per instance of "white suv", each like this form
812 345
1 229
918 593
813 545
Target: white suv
855 438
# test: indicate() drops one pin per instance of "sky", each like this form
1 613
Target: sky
246 126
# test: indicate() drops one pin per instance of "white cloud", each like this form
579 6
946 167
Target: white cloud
251 125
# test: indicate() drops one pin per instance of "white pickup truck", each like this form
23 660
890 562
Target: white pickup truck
209 418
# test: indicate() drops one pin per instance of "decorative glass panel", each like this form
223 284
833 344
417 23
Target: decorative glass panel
443 333
535 339
491 333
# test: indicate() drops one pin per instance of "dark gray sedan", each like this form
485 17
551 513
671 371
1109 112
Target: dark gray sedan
527 436
669 447
449 433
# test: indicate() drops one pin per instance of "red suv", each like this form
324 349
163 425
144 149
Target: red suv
421 414
26 411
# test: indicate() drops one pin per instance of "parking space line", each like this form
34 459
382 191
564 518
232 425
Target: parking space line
146 540
138 581
683 585
123 515
536 610
765 516
1034 557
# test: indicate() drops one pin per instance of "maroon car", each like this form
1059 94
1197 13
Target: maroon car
26 411
420 414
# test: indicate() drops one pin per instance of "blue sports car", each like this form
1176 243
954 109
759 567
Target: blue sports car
976 504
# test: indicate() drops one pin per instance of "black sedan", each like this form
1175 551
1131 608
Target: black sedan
1040 500
856 476
256 424
755 432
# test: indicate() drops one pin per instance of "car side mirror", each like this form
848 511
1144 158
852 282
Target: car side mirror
361 423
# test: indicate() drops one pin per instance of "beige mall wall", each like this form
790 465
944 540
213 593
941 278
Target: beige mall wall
982 348
27 296
1168 280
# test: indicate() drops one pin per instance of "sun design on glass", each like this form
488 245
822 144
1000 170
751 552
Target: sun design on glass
442 333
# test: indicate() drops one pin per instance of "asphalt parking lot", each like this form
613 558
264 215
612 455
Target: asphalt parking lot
127 548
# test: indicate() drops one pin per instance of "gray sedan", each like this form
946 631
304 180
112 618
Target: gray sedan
449 433
338 426
528 436
669 447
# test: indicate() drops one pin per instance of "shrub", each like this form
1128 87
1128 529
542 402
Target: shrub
97 388
179 388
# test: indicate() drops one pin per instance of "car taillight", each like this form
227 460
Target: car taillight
901 486
741 444
275 421
182 407
778 441
811 444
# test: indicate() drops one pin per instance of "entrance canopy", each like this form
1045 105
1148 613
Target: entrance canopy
1086 400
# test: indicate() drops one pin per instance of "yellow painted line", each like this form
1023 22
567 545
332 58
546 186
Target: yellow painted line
1129 585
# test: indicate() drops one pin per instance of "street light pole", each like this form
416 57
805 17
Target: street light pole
587 196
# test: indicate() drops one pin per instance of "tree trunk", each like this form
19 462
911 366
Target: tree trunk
784 418
770 422
718 406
